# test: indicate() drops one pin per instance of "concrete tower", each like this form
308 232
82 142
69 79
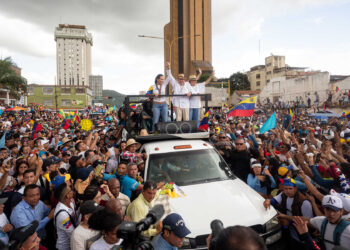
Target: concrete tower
190 19
73 55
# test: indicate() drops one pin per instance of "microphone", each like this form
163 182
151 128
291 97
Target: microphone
152 217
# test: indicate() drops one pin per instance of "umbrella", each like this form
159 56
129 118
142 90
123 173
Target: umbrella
16 109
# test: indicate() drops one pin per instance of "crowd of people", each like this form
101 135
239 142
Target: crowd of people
65 187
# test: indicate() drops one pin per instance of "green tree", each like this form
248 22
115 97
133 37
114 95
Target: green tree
239 81
10 80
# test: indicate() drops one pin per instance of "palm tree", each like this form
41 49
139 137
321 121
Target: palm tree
10 80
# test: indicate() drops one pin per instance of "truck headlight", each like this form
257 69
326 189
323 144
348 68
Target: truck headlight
272 224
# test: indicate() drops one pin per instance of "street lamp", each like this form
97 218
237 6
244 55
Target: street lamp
170 44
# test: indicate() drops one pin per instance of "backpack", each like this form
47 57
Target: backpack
337 231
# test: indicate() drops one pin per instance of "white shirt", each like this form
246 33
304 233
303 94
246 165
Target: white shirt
64 225
306 208
162 88
3 236
80 236
198 88
101 244
328 235
179 101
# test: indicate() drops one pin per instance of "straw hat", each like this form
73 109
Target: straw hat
192 78
132 142
181 76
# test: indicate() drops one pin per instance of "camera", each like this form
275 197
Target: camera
130 232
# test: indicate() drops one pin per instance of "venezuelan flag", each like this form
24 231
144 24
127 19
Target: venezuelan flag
133 105
346 114
66 222
76 117
61 114
36 128
245 108
150 91
204 125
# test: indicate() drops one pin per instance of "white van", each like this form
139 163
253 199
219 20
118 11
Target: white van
211 190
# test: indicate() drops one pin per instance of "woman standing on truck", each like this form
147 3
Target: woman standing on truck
160 106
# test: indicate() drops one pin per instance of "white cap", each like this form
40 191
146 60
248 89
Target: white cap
333 202
345 198
44 142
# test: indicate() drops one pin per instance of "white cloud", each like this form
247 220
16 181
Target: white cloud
317 20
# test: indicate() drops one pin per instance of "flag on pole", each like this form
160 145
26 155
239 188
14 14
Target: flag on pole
292 115
150 91
204 125
245 108
65 123
269 124
61 114
76 117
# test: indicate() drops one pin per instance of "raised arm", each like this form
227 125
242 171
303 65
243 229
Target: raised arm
169 77
199 74
210 77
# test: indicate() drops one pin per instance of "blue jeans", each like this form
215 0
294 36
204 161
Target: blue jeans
159 111
195 114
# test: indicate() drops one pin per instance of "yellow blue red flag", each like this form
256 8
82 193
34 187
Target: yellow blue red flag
245 108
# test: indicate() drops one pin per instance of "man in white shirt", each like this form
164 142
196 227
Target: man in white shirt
335 231
181 103
195 101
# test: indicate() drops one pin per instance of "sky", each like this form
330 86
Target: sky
310 33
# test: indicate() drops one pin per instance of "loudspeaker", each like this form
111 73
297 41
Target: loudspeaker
177 127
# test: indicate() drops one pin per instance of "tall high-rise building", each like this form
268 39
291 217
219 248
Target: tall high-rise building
187 36
96 84
73 55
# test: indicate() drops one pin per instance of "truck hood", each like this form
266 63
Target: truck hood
231 201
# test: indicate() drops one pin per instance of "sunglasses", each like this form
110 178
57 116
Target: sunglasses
239 144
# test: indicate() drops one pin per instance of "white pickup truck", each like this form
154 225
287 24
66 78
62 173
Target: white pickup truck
211 190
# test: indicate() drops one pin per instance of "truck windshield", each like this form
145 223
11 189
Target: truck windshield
188 167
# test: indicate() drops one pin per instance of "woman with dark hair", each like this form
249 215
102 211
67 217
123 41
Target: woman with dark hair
21 167
160 105
108 224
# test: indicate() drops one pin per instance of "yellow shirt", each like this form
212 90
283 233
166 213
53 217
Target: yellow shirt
138 210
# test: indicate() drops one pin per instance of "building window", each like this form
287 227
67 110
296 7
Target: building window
65 91
268 81
258 83
65 102
268 72
30 90
48 102
80 90
268 65
47 90
257 76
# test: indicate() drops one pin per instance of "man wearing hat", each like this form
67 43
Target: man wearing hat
195 101
173 233
24 238
335 231
290 202
83 233
181 103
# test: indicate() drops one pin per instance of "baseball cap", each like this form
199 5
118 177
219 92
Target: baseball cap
282 171
288 182
345 198
89 207
21 234
333 202
174 222
83 173
59 179
55 159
